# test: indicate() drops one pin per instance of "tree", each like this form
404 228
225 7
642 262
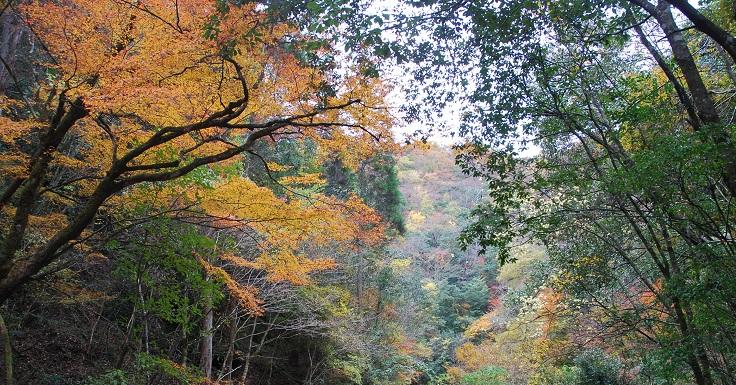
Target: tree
130 94
636 164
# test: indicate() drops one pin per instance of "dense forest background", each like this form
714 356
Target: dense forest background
215 192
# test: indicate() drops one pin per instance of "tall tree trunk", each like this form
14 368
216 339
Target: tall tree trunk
704 104
702 100
185 347
699 358
205 351
704 25
681 93
700 368
28 190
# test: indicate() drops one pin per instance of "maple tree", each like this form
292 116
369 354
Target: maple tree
137 93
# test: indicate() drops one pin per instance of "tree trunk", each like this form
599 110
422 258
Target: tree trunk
704 104
205 361
700 368
28 191
185 347
681 93
704 25
702 100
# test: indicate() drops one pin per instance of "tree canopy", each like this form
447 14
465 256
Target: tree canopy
213 191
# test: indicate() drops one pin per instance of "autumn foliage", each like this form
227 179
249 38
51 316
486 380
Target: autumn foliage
131 94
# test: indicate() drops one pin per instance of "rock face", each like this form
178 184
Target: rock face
16 48
9 36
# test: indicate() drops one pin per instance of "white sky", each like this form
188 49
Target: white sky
402 79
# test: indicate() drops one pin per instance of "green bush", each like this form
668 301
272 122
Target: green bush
114 377
550 375
598 368
145 367
489 375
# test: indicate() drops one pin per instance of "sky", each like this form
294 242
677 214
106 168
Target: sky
401 77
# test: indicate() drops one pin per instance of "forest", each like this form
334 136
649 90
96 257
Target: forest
367 192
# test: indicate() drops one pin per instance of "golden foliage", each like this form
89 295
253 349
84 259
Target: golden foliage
246 295
145 69
296 237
